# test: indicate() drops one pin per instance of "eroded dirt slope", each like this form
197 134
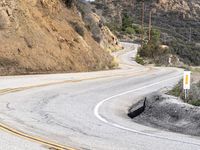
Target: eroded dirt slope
40 36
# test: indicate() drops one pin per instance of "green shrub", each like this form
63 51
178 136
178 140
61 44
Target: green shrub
195 102
155 36
193 94
137 29
127 21
139 60
113 27
69 3
152 48
189 52
177 90
130 30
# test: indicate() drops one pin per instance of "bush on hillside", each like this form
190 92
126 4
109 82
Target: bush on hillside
78 28
114 63
193 95
130 30
69 3
152 48
137 29
127 21
113 27
189 52
139 60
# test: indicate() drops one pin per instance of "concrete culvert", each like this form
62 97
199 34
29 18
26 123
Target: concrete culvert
167 113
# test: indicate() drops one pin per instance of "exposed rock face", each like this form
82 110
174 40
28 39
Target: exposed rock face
113 10
189 8
95 25
39 36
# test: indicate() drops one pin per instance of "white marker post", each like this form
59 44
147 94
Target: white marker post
186 82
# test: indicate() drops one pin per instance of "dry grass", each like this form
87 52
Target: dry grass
193 93
114 63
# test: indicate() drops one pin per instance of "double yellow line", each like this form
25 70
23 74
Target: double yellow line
48 143
15 132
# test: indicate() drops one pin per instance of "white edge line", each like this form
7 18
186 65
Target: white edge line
97 114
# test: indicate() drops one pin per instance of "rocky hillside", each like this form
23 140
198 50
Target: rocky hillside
95 24
41 36
178 20
178 15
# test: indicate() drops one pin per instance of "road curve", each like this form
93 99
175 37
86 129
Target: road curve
88 110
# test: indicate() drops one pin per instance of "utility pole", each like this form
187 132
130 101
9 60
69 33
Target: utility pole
142 25
150 22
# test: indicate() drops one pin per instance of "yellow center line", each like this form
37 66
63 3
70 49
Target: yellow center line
13 90
35 139
38 139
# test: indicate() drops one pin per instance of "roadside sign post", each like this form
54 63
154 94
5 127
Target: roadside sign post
186 82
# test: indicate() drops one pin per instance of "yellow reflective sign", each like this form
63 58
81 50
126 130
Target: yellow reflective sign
186 80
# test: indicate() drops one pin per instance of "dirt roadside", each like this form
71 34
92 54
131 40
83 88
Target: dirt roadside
169 113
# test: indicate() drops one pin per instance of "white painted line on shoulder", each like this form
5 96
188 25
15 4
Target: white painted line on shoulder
97 113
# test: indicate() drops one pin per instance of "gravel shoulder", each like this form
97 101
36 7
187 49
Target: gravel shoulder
169 113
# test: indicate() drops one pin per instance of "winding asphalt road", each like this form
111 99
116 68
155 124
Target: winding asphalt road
86 110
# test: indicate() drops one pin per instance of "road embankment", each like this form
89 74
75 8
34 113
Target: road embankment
167 113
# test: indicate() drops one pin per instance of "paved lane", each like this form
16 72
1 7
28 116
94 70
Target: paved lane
88 110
